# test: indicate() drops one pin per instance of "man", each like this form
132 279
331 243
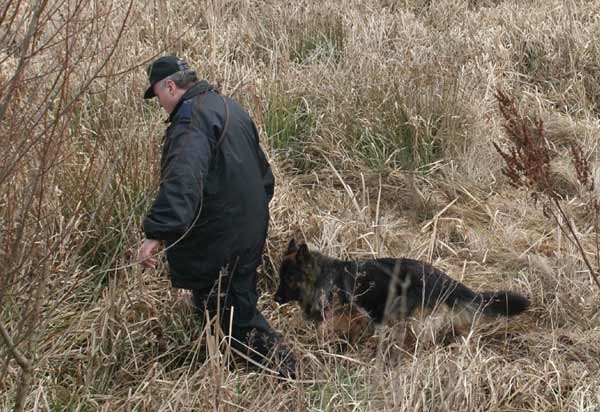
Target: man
212 210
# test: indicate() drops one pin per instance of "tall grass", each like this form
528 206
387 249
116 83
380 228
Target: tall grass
378 118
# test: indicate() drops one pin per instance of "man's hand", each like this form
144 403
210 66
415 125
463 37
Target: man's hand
145 252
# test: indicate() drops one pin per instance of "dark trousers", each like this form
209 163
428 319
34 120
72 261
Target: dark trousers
248 326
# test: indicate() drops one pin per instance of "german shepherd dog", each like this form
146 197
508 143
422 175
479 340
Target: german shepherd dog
358 294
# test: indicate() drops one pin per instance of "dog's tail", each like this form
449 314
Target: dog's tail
503 303
440 288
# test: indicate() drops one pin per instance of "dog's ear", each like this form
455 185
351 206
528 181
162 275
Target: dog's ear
303 254
292 246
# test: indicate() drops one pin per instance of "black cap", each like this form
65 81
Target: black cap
161 68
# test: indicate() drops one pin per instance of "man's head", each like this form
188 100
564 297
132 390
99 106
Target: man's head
169 78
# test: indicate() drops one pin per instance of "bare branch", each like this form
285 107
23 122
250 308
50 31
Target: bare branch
14 81
21 359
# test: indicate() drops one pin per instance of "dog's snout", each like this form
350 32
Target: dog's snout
317 316
315 312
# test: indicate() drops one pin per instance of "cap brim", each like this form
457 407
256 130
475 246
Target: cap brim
149 93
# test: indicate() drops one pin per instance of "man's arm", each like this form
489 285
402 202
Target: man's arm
265 168
180 193
267 173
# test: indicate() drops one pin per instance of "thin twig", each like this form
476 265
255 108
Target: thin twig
575 238
21 359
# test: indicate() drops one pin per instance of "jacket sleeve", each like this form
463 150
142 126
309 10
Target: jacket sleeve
265 169
183 176
267 174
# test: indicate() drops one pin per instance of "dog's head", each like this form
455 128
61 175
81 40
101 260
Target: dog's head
295 273
297 276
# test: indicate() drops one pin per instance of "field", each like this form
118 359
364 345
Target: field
379 118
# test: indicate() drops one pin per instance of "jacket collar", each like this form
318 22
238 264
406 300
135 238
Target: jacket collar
197 89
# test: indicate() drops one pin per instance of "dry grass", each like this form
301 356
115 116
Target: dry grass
378 117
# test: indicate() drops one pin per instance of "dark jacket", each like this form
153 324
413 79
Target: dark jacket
212 206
